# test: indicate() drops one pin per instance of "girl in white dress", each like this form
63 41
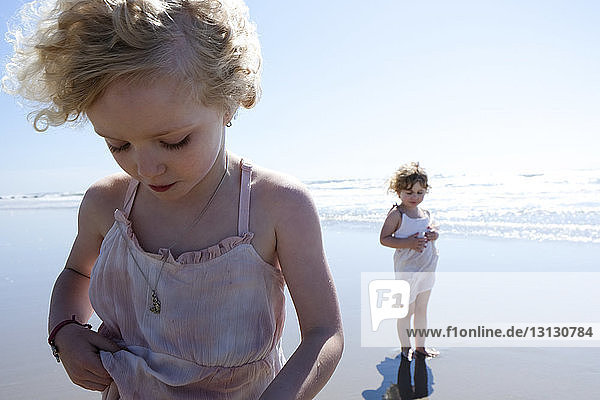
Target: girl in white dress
409 229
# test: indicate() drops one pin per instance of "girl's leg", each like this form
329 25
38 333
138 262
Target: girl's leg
421 323
403 325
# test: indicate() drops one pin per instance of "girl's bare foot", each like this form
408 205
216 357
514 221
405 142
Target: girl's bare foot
427 352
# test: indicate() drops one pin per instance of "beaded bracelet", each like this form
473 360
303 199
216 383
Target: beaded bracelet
59 327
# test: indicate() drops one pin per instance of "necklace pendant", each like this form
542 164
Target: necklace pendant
155 303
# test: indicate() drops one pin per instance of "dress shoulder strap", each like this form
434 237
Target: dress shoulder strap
130 196
397 207
244 210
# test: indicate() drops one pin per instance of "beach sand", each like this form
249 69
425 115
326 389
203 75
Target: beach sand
460 373
35 244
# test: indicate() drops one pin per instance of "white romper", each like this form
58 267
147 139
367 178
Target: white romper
418 269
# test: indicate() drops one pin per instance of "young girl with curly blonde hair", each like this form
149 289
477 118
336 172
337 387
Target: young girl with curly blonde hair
184 256
409 229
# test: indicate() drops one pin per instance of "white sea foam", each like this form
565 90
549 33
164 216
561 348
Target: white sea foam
40 201
536 206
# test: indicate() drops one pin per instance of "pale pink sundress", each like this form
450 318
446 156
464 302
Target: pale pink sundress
218 333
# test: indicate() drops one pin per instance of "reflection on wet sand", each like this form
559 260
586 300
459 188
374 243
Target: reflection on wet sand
403 379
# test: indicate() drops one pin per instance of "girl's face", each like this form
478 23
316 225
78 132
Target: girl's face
412 197
158 136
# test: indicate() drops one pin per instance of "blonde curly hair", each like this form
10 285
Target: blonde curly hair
406 176
67 52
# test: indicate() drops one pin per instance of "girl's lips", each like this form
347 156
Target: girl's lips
161 188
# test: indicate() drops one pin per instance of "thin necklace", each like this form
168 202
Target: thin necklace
155 307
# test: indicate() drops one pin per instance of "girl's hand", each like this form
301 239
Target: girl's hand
417 243
431 235
79 352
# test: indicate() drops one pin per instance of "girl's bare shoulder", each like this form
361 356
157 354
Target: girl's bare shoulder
280 194
391 224
395 213
395 210
102 198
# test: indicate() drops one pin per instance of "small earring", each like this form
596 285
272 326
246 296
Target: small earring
228 124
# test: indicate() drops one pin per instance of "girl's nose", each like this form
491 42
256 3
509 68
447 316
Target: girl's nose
149 166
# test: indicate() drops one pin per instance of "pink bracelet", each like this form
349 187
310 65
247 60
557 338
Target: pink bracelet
58 328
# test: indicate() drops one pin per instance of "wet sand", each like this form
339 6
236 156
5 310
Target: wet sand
459 372
35 243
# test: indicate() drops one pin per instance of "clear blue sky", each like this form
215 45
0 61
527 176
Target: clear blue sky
355 88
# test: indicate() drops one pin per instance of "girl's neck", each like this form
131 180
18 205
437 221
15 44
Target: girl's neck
412 212
208 184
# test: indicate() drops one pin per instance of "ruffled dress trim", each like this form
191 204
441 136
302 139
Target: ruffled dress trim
189 257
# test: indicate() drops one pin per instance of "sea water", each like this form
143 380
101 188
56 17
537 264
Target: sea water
561 205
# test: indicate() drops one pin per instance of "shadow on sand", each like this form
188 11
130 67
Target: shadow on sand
402 380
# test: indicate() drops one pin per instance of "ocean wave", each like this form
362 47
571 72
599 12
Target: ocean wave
536 206
41 196
40 201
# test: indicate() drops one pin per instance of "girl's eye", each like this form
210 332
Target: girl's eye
117 149
178 145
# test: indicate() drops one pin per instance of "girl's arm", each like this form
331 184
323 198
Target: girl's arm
391 224
78 347
302 260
